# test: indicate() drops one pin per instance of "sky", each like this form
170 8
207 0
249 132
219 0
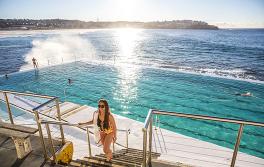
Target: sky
223 13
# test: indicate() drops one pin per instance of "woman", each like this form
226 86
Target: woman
107 127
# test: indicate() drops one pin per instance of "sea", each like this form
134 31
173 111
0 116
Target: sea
188 71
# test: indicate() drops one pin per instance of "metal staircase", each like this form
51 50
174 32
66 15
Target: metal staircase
125 157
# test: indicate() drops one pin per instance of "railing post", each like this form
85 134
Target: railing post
51 143
156 122
150 141
237 145
8 108
144 147
113 147
41 134
126 140
59 117
89 144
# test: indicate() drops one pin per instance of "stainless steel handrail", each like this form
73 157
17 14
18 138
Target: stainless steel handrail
46 122
194 116
35 111
27 94
26 110
44 104
6 92
59 123
148 124
147 120
77 125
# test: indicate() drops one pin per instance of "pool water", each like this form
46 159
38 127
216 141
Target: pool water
16 112
132 90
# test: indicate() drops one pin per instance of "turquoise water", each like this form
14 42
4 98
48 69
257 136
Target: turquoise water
133 90
16 112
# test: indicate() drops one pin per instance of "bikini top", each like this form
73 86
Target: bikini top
107 131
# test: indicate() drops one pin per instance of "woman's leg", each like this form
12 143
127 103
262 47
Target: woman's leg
102 137
107 144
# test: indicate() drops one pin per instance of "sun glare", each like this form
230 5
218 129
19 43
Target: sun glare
126 39
128 72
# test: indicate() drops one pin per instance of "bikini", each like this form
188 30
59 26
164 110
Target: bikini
107 131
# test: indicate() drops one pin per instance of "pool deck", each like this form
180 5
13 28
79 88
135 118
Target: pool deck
173 147
8 155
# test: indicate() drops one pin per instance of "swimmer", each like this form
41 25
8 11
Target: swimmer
247 94
35 63
244 94
69 81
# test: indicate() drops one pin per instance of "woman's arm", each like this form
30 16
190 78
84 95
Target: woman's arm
85 123
112 121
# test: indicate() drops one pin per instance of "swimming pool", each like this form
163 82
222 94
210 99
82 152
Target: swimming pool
133 90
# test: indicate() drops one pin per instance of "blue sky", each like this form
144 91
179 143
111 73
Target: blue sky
224 13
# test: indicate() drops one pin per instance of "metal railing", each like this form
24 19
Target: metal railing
149 121
39 122
34 110
47 123
5 93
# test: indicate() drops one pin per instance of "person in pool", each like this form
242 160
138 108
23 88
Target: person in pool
244 94
35 63
69 81
107 127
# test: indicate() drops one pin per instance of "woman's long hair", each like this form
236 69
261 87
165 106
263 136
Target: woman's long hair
106 117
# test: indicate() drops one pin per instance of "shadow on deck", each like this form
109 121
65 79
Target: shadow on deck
9 158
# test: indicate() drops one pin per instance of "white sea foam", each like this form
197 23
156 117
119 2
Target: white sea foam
233 74
187 70
59 49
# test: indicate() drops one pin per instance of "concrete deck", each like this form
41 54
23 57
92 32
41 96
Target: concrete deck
8 155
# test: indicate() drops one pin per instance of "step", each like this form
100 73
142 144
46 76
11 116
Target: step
80 163
64 109
75 163
97 162
162 163
132 153
126 159
136 151
74 111
114 162
138 155
131 157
